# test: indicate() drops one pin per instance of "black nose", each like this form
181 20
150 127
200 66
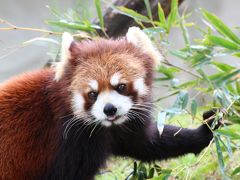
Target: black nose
109 109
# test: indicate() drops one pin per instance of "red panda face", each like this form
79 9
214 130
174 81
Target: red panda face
108 78
107 83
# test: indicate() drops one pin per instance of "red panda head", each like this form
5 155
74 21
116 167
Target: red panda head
108 78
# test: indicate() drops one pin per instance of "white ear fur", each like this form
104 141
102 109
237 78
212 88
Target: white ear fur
67 40
137 37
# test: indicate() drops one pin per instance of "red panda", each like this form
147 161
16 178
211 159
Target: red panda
64 122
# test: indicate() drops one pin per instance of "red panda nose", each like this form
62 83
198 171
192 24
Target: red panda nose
109 109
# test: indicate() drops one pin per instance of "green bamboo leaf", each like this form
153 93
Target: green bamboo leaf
237 84
206 78
168 72
180 54
185 34
161 16
182 100
148 7
223 67
231 89
99 12
236 171
219 155
220 26
229 132
172 15
74 26
151 173
188 84
237 54
225 78
133 14
218 41
194 107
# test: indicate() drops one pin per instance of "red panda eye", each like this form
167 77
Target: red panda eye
121 88
92 95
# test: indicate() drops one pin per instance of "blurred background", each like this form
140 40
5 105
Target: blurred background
16 58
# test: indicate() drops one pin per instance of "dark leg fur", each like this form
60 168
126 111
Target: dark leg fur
149 145
80 156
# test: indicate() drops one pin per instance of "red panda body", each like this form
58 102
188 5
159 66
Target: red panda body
63 123
27 126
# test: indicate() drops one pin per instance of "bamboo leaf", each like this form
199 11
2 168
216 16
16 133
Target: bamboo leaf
223 67
220 26
74 26
148 7
173 14
229 132
236 171
228 76
161 16
219 155
182 100
180 54
237 84
218 41
99 13
133 14
194 107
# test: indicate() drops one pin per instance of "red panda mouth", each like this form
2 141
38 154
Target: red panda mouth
113 118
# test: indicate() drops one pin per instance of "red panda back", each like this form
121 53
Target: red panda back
26 125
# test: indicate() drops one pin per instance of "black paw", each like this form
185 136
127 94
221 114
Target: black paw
214 118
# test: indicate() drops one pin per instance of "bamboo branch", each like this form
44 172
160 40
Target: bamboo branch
14 27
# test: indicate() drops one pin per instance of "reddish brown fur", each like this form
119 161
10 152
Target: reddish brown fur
24 125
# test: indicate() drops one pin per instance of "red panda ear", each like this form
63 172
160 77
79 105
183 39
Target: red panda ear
67 51
138 38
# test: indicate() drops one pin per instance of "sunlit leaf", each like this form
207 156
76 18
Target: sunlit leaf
223 66
229 132
218 41
74 26
220 26
161 16
173 14
133 14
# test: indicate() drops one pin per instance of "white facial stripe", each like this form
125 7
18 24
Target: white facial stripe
93 84
122 103
140 86
77 103
115 79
